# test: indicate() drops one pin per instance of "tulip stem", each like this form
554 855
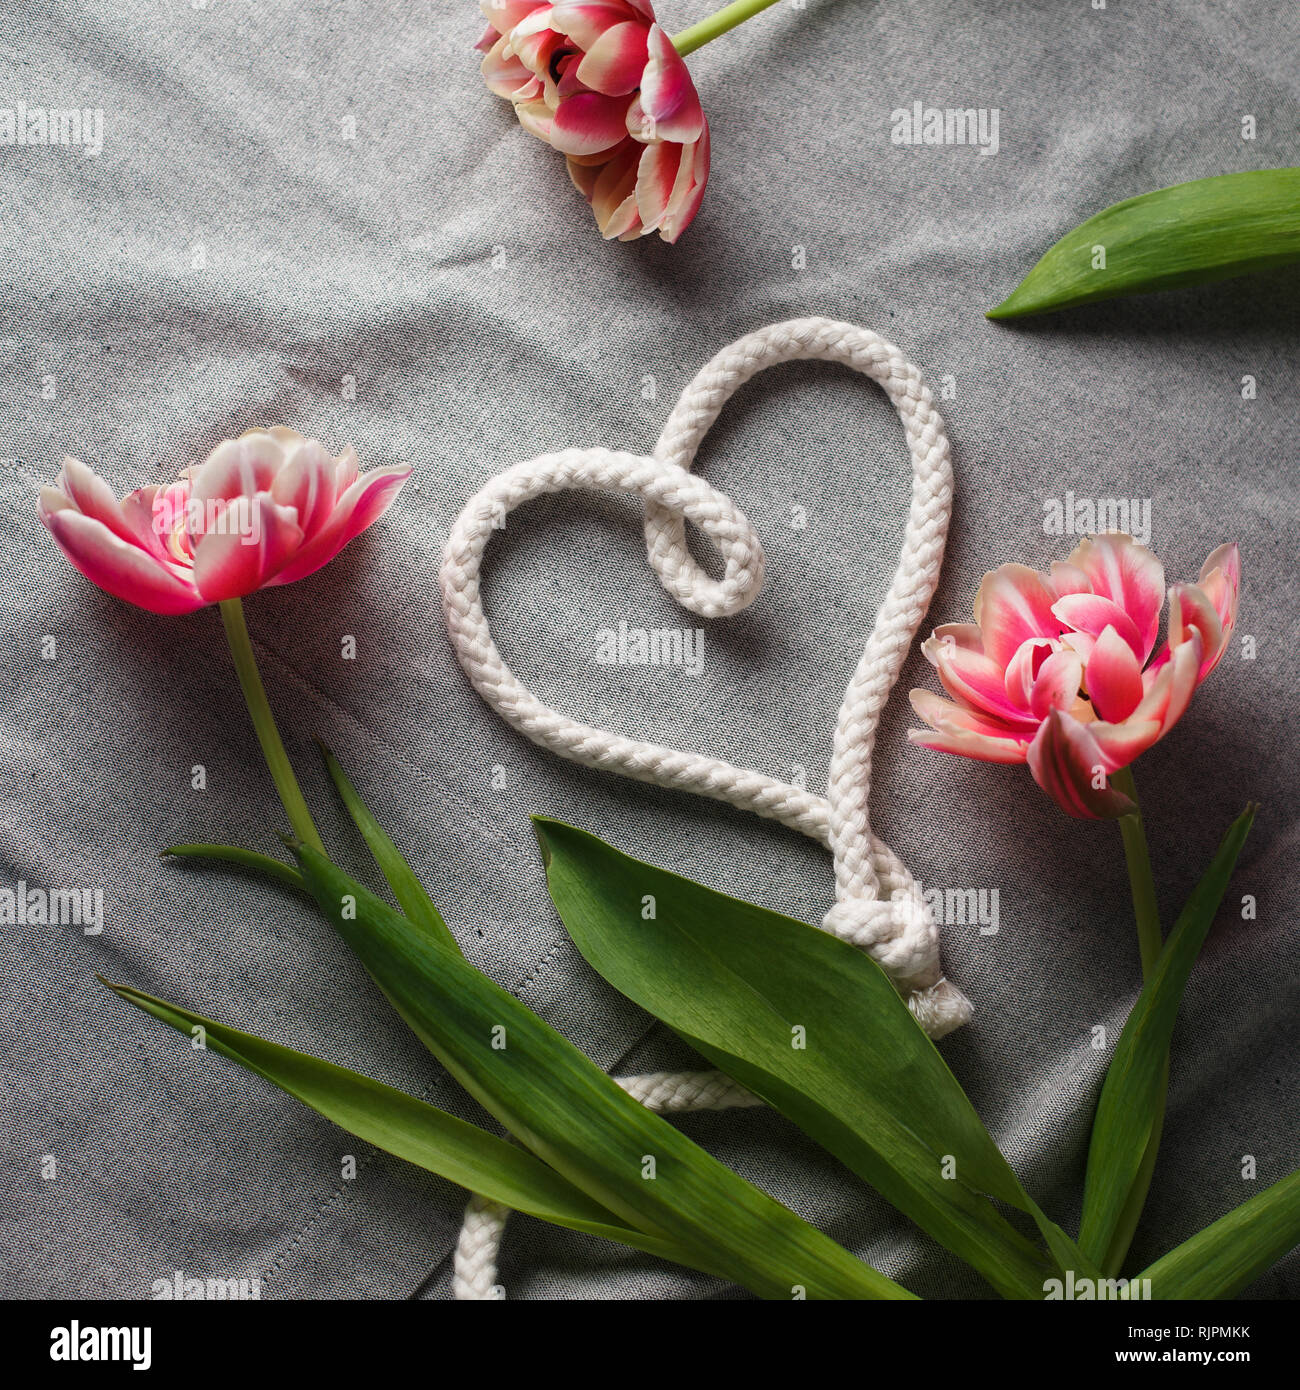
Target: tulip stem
1150 943
1145 911
259 709
718 24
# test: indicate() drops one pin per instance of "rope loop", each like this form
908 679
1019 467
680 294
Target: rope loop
877 905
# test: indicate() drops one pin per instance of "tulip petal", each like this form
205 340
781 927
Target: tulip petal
656 177
1227 561
1185 675
1220 582
947 718
1131 576
584 21
1114 677
969 745
347 470
150 514
974 680
254 541
965 635
584 176
536 43
503 72
639 126
169 521
688 191
236 468
118 567
1066 578
306 483
1190 608
614 63
1068 764
1120 744
363 504
668 95
613 198
1022 669
536 118
93 497
1012 605
503 15
589 122
603 157
1057 684
1092 614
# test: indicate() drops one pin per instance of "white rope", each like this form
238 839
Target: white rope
474 1267
878 906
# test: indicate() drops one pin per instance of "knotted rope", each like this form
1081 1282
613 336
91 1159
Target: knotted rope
878 906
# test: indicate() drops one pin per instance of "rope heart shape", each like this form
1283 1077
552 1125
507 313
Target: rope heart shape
878 906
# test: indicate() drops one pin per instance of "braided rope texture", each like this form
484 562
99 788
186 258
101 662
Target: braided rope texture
877 907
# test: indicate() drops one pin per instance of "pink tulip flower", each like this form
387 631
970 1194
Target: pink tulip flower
267 508
601 82
1057 671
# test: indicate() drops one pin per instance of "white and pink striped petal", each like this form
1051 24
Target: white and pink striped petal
688 189
586 21
1120 569
1091 615
668 95
1069 765
614 63
1013 605
588 123
968 745
117 566
1114 677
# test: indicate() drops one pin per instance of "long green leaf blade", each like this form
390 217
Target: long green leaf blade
410 893
1189 234
576 1118
739 983
1132 1092
1225 1257
244 858
409 1129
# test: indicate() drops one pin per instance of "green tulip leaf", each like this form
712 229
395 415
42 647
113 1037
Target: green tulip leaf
816 1029
408 1128
1209 229
576 1119
244 858
1224 1258
410 893
1133 1093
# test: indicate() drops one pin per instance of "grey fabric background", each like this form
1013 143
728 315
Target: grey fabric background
373 258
